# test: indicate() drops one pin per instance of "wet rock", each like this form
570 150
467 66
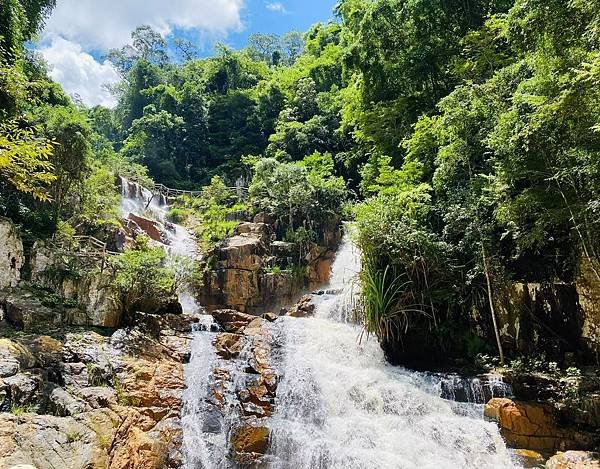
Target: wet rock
153 229
305 307
271 317
530 459
212 421
11 254
251 440
534 426
232 321
255 327
228 345
574 460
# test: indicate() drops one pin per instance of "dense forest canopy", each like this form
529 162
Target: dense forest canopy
467 132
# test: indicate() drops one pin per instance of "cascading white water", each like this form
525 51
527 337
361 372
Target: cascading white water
198 440
137 200
340 405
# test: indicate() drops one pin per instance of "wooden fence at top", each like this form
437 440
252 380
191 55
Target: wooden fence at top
86 247
167 192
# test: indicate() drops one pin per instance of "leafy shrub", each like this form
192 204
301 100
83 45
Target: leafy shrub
144 277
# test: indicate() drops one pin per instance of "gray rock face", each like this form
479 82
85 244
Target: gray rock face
49 442
62 404
99 397
93 291
11 254
23 388
24 311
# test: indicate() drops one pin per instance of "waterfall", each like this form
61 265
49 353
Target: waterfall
179 243
340 405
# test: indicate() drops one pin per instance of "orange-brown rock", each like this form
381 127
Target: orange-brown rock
574 460
152 228
534 426
251 440
231 320
152 383
228 345
530 459
304 307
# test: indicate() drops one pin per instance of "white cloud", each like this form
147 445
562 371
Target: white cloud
105 24
78 72
79 26
276 6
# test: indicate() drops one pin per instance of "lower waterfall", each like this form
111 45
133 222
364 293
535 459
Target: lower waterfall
340 405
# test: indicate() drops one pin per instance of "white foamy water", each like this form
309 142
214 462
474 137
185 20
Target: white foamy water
140 201
340 405
199 442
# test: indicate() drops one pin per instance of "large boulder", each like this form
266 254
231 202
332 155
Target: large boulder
24 311
574 460
46 442
253 440
11 254
534 426
152 228
304 307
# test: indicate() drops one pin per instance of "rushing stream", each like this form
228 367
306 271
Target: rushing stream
339 404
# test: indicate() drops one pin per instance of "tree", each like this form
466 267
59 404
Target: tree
25 160
263 46
146 44
292 45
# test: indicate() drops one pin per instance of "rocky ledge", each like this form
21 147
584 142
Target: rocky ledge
243 384
89 400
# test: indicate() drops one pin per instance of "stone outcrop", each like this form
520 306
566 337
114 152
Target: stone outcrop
92 289
23 310
243 385
87 400
250 271
588 290
539 318
574 460
11 254
153 229
304 307
535 426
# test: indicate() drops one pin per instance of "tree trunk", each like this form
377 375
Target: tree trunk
492 309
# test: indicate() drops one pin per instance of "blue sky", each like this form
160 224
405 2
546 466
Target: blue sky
79 32
297 15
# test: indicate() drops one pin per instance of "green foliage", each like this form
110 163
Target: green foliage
213 215
143 276
25 160
296 196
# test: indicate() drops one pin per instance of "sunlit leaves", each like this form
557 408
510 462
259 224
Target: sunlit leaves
25 160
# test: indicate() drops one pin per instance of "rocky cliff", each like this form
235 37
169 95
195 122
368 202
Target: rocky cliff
254 273
11 254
